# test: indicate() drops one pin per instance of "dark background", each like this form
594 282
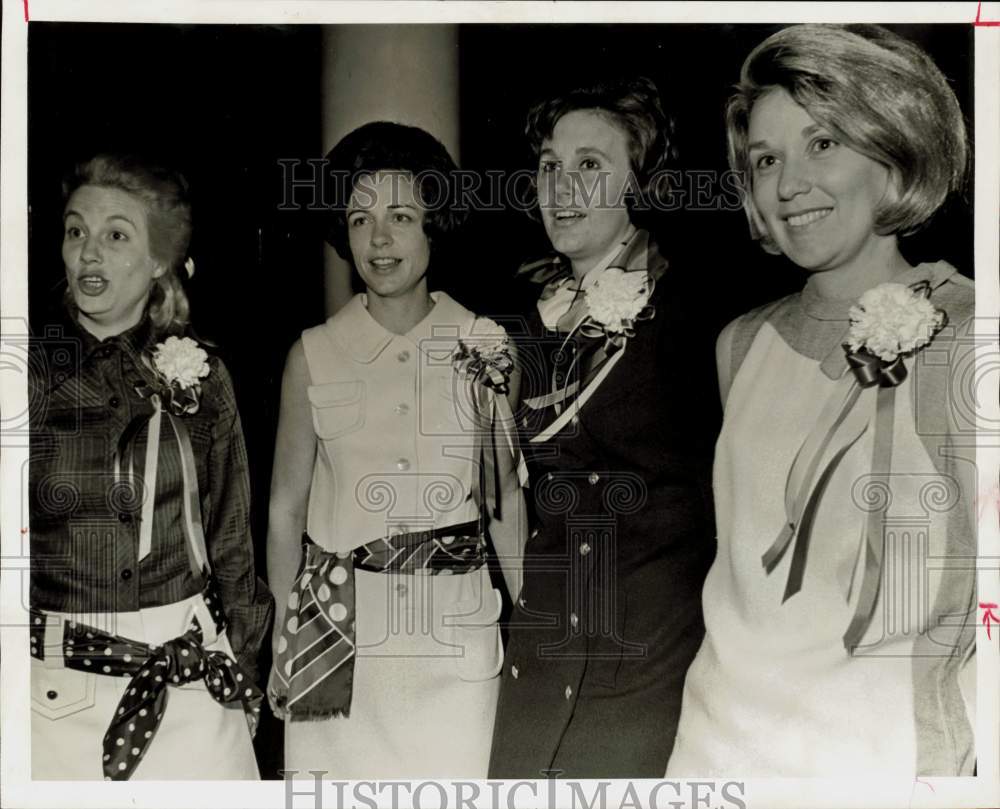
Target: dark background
225 103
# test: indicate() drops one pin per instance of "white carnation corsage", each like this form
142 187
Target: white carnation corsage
893 320
616 300
179 364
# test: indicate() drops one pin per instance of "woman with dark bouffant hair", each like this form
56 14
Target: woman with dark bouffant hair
834 641
393 459
618 439
146 616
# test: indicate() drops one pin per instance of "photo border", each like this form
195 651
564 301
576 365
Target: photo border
842 791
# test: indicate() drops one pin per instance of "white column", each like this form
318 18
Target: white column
402 73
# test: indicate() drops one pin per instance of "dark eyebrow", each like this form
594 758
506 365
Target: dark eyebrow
77 214
579 151
593 149
806 132
401 205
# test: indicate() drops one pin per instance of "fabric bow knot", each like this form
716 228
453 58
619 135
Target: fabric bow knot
871 370
178 661
179 401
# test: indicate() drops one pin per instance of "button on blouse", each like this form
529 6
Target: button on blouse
84 525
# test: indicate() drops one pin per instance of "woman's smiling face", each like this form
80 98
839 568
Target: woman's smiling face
583 173
385 227
816 196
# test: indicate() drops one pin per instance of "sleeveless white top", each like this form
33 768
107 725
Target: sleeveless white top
772 691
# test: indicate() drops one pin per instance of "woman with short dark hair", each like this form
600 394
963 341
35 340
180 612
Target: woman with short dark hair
619 441
845 467
393 457
146 615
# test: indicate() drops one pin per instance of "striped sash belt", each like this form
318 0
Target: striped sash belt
314 661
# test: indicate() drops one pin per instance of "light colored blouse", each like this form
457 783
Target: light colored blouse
772 691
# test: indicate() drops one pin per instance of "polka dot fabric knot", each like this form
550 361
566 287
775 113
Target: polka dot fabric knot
179 661
141 707
152 669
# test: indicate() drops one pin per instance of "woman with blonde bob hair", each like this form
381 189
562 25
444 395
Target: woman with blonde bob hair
842 466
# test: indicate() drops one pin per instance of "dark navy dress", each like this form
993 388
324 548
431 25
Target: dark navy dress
610 616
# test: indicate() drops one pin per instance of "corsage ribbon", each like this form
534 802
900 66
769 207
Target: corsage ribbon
841 424
314 663
152 668
598 364
488 370
125 458
592 364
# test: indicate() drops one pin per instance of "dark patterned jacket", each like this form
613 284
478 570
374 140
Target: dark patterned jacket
84 529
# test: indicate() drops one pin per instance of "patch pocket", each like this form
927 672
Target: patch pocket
475 634
61 692
338 408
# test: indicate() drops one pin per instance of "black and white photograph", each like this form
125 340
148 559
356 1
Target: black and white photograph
500 404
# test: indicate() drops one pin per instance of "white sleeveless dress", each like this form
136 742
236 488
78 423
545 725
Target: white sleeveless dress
772 691
395 454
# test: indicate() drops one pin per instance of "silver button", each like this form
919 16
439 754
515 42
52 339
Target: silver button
401 409
402 464
402 590
525 421
522 603
584 548
513 672
574 420
569 692
592 478
549 476
403 356
534 533
574 620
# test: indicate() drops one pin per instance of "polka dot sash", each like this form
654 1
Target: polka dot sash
314 660
152 668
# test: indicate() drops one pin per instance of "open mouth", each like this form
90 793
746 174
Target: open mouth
565 217
384 263
91 284
802 220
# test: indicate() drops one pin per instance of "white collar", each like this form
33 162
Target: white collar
364 338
